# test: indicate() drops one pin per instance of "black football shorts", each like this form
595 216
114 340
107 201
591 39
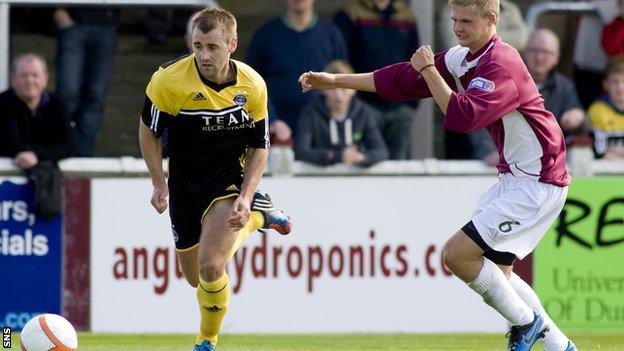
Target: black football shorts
190 197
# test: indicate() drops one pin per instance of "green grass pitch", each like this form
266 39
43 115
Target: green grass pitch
375 342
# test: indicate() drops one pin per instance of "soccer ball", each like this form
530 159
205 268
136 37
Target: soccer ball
48 332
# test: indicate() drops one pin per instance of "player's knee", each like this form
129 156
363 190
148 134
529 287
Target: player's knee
451 258
447 259
211 269
193 281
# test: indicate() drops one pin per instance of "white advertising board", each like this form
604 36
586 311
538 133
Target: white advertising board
364 256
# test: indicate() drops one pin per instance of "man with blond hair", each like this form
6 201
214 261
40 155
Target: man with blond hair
215 111
482 82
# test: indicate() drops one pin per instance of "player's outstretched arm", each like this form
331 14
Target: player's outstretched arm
323 80
151 149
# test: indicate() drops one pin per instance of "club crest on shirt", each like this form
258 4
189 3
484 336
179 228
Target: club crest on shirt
240 99
482 84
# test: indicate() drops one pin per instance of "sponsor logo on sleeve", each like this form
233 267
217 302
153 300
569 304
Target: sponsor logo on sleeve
481 84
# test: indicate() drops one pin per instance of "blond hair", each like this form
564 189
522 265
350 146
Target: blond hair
615 66
339 66
483 7
210 18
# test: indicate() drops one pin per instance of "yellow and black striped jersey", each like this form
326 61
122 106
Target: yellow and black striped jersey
608 125
205 121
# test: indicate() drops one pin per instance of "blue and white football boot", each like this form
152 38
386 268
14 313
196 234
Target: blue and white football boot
571 346
522 337
205 346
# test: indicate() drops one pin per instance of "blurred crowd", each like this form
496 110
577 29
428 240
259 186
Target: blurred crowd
337 126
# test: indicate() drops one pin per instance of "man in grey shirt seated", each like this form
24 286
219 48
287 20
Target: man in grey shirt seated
541 56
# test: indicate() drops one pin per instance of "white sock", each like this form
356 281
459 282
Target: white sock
554 340
493 286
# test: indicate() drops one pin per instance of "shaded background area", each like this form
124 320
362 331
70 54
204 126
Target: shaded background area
32 29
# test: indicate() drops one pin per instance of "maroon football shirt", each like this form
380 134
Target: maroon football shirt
493 89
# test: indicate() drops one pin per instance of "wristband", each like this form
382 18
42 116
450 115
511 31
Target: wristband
426 66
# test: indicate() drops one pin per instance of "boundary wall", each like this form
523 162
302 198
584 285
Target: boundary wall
365 242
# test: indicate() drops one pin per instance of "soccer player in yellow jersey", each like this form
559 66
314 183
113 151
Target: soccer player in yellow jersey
215 111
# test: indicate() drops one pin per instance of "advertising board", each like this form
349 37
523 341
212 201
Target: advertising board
30 256
364 256
578 265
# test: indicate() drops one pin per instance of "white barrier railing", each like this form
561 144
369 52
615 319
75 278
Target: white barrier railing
135 167
536 10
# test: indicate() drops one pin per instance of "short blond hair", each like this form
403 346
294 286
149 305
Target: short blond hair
210 18
339 66
484 7
615 66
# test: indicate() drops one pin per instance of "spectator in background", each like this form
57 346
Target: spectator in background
607 114
379 33
510 27
613 34
188 34
156 25
86 48
32 125
337 127
282 49
541 56
482 147
34 132
589 57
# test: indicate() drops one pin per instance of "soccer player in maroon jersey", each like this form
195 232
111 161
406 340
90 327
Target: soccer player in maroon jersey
483 83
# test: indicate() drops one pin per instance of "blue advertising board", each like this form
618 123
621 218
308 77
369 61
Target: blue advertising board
30 256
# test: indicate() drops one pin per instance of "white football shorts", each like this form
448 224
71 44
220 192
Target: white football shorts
515 213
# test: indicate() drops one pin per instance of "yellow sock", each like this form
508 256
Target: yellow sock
213 300
255 222
213 296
